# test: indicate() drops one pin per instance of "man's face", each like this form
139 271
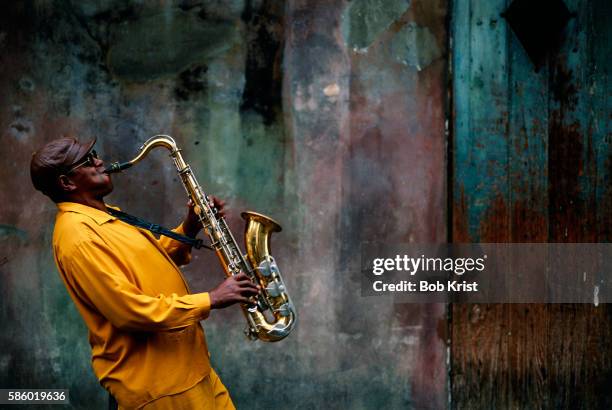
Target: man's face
89 177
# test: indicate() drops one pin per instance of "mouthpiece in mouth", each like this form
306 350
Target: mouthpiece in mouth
117 167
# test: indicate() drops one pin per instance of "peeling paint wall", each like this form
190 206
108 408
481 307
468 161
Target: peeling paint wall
327 116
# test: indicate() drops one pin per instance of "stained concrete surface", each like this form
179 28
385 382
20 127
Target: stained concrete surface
328 116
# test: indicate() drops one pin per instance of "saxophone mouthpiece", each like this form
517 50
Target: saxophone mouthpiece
117 167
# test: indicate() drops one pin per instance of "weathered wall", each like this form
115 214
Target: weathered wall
531 163
326 115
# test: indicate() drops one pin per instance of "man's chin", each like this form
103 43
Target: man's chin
108 189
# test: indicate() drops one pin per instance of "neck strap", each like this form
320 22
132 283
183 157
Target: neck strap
157 229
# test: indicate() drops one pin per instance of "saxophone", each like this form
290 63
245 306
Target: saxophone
272 316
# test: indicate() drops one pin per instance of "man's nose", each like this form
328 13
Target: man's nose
98 162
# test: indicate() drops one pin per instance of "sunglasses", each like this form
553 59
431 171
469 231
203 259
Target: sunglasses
88 161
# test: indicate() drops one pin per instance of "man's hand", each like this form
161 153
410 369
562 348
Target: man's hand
192 224
235 289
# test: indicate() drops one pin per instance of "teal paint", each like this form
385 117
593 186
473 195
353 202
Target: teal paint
415 46
600 88
577 108
163 44
527 142
12 232
480 92
507 116
363 21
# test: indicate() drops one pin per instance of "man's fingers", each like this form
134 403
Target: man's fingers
241 276
245 281
247 284
249 290
219 204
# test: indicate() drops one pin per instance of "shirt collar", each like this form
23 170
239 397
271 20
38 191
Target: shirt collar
99 216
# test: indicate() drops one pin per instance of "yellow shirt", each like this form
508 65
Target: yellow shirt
144 329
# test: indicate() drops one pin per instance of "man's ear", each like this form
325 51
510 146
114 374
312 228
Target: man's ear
66 184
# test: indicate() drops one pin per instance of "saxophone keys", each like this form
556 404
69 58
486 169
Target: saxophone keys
264 271
268 267
285 309
274 289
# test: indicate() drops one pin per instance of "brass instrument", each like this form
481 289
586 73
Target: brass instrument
272 316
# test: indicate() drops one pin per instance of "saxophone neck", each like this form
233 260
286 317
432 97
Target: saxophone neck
164 141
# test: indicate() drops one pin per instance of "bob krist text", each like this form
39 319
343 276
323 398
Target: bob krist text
430 268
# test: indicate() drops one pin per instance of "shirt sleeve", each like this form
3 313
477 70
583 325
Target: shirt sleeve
98 277
179 252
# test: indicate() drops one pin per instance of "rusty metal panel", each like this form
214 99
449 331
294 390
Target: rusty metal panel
531 163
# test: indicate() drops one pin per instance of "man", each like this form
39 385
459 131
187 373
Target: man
148 348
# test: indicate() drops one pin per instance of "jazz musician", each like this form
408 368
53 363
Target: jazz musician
148 348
